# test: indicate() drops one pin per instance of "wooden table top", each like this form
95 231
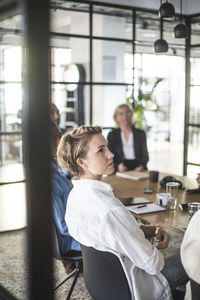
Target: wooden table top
176 220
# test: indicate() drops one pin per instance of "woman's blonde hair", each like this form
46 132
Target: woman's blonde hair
117 110
74 145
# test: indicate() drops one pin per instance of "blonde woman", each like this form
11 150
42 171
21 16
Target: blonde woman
127 142
95 217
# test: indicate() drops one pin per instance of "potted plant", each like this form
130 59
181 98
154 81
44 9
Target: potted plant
143 99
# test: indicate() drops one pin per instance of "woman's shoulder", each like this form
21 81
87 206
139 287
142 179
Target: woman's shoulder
114 132
138 130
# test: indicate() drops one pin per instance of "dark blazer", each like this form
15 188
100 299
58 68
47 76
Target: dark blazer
140 146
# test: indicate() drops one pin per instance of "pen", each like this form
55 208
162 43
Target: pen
141 206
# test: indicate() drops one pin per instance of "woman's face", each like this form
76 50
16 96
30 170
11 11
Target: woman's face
124 116
99 159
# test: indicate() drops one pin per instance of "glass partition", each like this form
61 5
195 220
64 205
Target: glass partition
192 134
109 60
112 22
64 16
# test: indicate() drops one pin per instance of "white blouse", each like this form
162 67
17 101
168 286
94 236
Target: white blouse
128 146
190 248
96 218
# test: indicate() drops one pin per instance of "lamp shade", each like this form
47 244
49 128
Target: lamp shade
166 10
181 31
160 46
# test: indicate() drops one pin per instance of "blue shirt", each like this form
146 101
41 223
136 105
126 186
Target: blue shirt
61 186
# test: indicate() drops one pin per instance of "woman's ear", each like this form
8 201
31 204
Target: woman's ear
81 162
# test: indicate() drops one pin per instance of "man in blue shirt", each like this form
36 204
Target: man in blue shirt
61 186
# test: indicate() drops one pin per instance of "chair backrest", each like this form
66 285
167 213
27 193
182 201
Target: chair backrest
56 249
195 289
104 276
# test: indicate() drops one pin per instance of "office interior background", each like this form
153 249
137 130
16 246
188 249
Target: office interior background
88 57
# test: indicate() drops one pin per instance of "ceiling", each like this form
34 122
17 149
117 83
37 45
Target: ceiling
189 6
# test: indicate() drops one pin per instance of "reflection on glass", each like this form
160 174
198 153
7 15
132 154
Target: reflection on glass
147 26
12 207
13 256
194 105
60 58
195 23
12 196
10 150
105 99
66 102
194 145
195 67
112 22
65 21
192 171
74 51
168 34
15 22
109 61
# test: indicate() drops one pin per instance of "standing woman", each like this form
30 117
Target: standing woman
96 218
128 143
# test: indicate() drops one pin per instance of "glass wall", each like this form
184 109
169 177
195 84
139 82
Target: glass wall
114 46
192 161
12 186
11 104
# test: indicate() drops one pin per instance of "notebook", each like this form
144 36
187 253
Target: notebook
134 175
145 208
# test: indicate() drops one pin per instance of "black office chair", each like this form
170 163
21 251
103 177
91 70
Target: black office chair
195 290
104 276
74 256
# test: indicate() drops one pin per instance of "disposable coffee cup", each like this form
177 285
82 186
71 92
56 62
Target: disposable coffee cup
153 176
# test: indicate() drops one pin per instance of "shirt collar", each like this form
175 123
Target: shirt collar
93 183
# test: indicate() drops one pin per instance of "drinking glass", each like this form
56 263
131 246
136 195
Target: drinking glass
172 191
193 207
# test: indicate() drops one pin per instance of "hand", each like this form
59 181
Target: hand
122 168
162 238
139 168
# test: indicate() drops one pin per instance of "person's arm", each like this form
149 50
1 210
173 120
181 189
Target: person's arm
122 168
122 234
161 235
140 146
144 150
139 168
59 195
118 164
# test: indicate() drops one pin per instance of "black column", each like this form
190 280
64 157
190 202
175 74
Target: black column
37 148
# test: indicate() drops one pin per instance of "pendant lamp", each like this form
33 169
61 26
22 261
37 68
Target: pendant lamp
181 30
160 45
166 10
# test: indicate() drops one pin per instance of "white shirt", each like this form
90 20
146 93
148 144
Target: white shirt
96 218
190 248
128 146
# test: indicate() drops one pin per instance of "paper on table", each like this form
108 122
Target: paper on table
134 175
146 209
140 200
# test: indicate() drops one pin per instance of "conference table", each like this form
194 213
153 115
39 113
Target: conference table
175 220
